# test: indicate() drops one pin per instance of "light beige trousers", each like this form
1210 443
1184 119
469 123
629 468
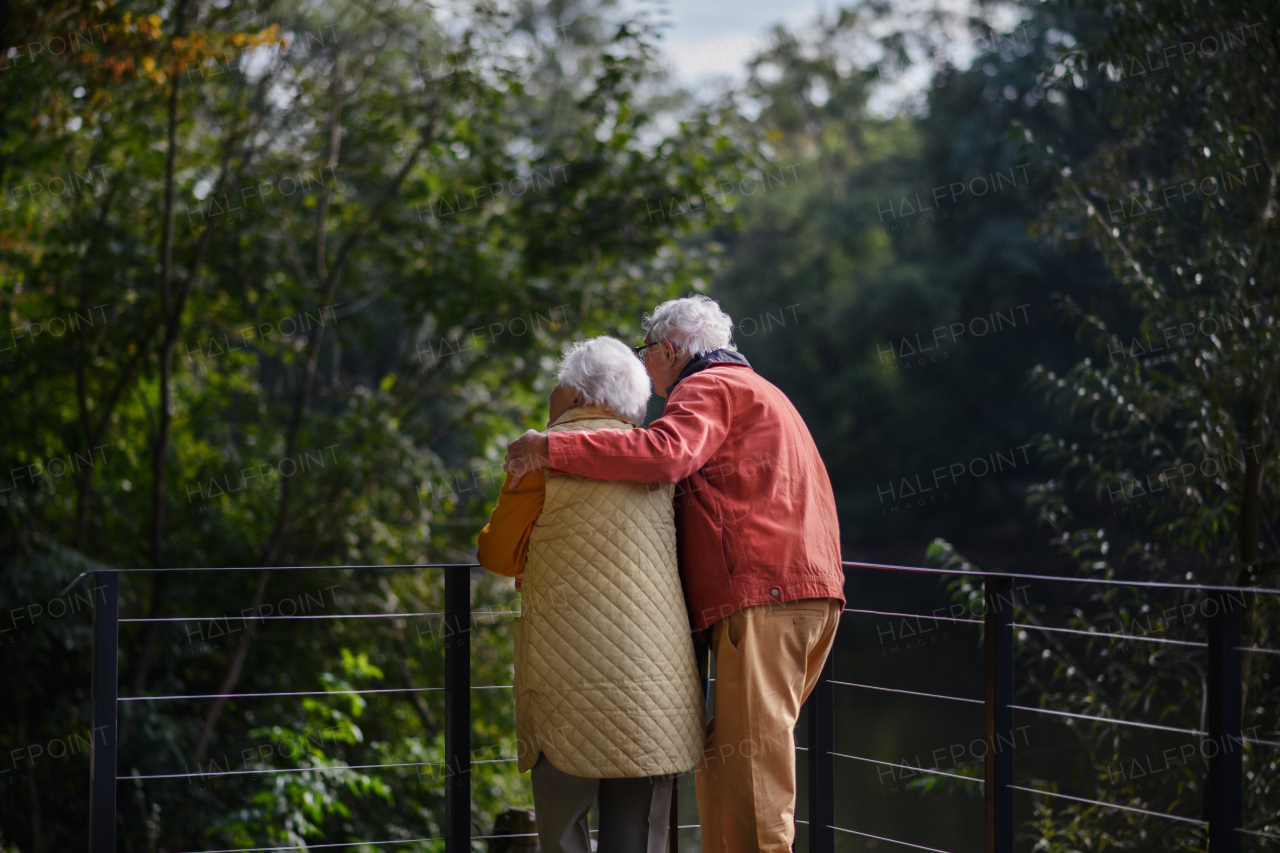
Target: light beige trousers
768 659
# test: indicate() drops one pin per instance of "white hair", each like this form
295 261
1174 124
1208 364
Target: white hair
608 374
694 325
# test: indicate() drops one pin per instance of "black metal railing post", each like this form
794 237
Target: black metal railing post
822 765
103 697
1224 793
701 654
998 657
457 710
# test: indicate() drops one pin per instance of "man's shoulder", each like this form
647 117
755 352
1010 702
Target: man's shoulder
723 375
745 391
736 380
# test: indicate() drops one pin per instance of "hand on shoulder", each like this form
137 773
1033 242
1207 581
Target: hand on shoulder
526 454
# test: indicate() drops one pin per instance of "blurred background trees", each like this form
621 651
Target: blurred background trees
281 280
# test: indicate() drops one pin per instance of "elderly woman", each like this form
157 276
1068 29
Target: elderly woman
608 702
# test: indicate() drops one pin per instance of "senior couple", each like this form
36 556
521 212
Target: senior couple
628 541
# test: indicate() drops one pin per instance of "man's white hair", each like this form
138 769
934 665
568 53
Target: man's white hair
608 374
694 325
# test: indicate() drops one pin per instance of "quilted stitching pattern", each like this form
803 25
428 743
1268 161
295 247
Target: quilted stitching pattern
606 684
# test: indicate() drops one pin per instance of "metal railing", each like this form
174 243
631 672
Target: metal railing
1224 790
105 699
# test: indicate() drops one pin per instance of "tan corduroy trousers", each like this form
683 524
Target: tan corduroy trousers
768 659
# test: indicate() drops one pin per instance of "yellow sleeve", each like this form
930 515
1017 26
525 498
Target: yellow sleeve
503 545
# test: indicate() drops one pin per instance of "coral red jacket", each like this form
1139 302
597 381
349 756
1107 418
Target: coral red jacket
755 514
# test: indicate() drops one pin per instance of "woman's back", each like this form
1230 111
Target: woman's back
606 682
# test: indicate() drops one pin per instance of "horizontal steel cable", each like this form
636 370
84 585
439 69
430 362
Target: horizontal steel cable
909 767
907 692
1257 649
914 615
844 563
318 846
280 770
1024 576
890 840
264 618
1260 740
85 574
305 769
403 841
1109 634
1108 720
1196 821
474 613
306 693
358 843
1255 832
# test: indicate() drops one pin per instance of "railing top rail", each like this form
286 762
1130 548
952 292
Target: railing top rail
1027 576
88 572
1257 590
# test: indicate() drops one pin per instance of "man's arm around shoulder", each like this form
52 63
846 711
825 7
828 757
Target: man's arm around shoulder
692 427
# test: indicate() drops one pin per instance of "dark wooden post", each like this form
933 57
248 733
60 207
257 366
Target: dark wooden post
998 656
104 698
457 710
1224 799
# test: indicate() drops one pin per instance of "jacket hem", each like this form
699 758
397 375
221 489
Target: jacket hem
762 593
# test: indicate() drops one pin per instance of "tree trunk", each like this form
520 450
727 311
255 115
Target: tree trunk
328 276
33 790
1250 527
232 676
160 448
429 722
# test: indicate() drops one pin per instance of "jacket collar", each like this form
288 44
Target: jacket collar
582 413
707 359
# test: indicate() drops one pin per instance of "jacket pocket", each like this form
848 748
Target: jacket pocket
730 544
715 515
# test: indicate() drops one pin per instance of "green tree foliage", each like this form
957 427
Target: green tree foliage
900 241
280 279
1174 478
1143 243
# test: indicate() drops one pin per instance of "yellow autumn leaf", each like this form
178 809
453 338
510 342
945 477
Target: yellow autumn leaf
148 64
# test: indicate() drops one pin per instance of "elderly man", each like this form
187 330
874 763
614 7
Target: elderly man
608 702
759 554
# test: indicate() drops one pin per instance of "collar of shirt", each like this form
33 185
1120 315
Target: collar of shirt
706 359
582 413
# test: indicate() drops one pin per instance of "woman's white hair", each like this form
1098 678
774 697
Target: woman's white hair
694 325
608 374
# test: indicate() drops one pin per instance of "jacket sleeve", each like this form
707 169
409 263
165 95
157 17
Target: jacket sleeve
691 429
503 544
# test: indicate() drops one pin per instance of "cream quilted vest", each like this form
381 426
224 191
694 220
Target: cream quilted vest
605 679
